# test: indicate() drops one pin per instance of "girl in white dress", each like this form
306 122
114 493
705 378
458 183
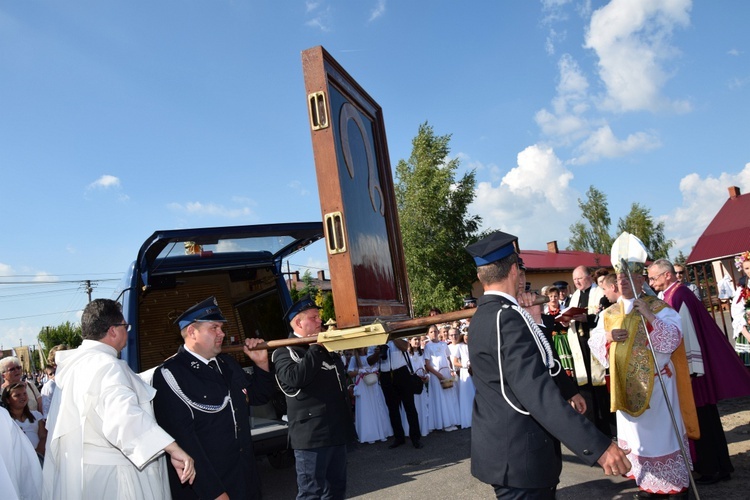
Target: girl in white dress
31 422
370 412
421 401
443 401
465 382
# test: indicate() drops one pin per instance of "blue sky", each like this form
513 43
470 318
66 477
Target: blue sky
121 118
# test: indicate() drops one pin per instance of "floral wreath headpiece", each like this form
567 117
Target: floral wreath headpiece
740 259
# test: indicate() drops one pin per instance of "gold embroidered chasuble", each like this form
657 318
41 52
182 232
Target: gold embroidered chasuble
631 366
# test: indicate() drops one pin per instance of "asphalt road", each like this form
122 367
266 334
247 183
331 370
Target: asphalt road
441 470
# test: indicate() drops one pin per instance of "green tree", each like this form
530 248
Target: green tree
66 333
294 293
435 223
640 223
324 300
309 288
680 259
593 234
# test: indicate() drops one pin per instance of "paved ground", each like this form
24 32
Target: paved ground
441 470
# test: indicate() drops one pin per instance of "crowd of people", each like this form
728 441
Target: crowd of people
440 359
600 369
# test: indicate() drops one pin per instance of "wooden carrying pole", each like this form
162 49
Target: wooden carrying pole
365 336
362 336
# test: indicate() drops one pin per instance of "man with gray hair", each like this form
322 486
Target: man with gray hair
103 440
716 372
621 341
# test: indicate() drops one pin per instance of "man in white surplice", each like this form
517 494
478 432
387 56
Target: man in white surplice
103 440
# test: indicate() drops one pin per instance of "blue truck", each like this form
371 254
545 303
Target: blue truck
241 267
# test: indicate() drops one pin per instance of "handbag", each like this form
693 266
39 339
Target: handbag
414 381
370 378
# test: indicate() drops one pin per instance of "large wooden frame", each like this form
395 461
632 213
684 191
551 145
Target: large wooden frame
357 201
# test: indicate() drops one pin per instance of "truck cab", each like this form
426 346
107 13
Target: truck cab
241 267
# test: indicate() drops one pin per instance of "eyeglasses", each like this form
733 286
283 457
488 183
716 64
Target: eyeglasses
126 325
650 279
679 272
13 369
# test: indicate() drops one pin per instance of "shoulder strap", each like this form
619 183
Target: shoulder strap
175 387
296 358
500 361
408 362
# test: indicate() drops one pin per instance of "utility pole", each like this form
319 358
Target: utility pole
89 289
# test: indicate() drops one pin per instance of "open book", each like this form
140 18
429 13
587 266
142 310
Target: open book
567 314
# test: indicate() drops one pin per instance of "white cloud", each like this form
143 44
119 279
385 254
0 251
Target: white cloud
531 200
299 188
43 276
631 39
553 38
23 331
467 164
554 11
566 122
211 209
321 16
738 83
603 144
105 182
734 52
378 11
701 200
7 271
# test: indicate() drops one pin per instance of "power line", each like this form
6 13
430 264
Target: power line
51 282
37 315
37 293
53 275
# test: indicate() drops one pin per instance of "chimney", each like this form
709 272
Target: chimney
734 192
552 247
322 275
296 276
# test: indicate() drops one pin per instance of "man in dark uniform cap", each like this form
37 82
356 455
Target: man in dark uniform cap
318 407
562 287
519 415
202 400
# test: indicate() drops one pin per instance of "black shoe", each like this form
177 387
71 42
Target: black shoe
396 443
418 445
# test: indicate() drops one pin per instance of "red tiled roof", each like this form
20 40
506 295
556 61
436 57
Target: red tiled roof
728 233
564 260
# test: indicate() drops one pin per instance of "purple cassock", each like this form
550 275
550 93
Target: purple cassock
725 377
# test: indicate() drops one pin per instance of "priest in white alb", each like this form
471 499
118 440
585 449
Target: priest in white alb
620 341
103 440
